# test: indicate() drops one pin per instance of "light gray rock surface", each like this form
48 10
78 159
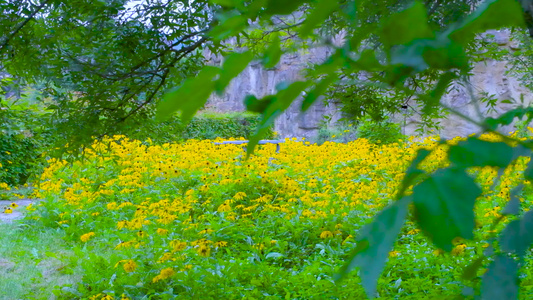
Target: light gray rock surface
489 77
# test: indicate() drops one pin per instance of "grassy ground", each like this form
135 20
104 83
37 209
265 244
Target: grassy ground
34 261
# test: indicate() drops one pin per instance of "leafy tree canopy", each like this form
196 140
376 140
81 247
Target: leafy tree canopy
103 63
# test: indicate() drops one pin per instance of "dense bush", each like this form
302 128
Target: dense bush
385 131
22 140
207 125
346 130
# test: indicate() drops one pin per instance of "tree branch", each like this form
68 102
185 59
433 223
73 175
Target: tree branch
21 25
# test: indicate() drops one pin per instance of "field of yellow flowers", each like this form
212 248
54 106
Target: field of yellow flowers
198 221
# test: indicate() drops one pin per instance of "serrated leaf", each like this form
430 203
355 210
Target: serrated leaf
444 206
517 236
189 97
374 244
398 29
272 53
491 14
322 10
500 282
233 65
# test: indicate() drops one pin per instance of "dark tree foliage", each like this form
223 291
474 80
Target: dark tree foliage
105 62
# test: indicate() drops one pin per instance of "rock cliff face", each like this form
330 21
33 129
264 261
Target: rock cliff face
489 77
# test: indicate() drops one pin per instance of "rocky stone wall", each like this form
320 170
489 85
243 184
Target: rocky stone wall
489 77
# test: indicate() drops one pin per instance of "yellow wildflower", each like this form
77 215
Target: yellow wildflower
84 238
164 274
204 250
177 245
112 206
413 231
224 207
129 266
459 249
326 234
166 257
394 253
221 244
438 252
162 231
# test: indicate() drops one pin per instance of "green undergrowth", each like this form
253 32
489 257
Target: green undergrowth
34 261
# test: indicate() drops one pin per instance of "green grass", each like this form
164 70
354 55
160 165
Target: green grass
34 261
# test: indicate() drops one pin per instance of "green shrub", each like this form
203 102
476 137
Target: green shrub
22 140
385 132
207 125
342 132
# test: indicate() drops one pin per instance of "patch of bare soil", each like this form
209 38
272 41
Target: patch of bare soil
17 213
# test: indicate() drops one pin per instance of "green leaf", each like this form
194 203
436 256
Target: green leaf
413 172
528 173
283 7
189 97
517 236
225 3
272 53
440 53
322 10
470 272
257 105
478 153
444 206
513 206
233 65
398 29
433 99
508 117
230 25
491 14
319 89
500 282
278 104
367 61
374 244
274 255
